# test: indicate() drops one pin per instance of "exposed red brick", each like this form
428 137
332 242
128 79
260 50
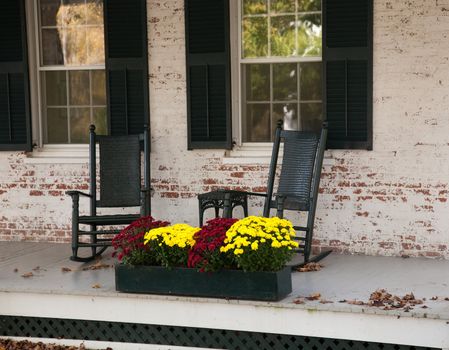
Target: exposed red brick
339 168
210 181
386 245
238 174
36 193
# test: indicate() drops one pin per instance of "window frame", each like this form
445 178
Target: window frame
250 149
45 152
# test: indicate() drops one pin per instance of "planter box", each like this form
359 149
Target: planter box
268 286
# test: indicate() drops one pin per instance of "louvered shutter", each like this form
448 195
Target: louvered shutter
348 71
15 131
126 66
208 73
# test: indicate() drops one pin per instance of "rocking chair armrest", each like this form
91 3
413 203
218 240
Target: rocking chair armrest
78 193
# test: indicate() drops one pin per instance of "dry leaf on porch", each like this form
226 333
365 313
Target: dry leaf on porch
324 301
96 286
298 301
314 296
313 266
28 274
355 302
97 266
66 269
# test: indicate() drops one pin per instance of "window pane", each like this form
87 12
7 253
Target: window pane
75 45
311 116
288 113
255 37
257 82
311 85
94 12
285 83
309 35
79 88
79 125
99 120
309 5
57 131
98 88
254 7
74 12
283 37
48 11
55 88
51 47
257 123
95 45
283 6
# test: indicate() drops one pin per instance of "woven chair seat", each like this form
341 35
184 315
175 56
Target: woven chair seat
122 219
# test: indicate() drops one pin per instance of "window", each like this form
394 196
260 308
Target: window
280 66
71 65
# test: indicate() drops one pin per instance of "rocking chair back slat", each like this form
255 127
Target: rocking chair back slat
295 180
120 171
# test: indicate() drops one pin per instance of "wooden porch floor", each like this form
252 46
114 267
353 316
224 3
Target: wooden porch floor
90 294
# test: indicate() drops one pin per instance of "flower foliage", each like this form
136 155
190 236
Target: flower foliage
205 254
260 244
252 244
170 245
128 244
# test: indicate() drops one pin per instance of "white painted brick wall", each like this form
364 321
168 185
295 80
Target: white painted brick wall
390 201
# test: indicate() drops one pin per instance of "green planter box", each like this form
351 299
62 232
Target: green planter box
236 284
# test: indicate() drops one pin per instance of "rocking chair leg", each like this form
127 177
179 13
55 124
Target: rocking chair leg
74 256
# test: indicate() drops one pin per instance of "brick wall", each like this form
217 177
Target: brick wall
390 201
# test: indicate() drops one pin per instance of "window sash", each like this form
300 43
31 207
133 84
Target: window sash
238 82
40 68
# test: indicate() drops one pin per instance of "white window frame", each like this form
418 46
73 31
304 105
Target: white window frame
254 152
47 153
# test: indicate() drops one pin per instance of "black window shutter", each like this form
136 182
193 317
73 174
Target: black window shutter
208 74
15 130
126 65
348 72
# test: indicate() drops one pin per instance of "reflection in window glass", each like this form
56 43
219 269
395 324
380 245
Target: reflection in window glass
72 69
281 66
285 96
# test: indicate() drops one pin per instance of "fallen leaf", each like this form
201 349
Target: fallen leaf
446 299
355 302
434 298
15 270
96 286
323 301
313 266
65 269
298 301
28 274
97 266
424 307
314 296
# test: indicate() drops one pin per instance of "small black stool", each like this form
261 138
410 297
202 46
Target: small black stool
222 199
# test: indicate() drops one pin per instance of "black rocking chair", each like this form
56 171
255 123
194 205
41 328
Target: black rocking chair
298 183
120 186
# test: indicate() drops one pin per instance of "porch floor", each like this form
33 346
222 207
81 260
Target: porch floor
342 278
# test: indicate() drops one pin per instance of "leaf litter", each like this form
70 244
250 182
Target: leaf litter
8 344
380 298
310 267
